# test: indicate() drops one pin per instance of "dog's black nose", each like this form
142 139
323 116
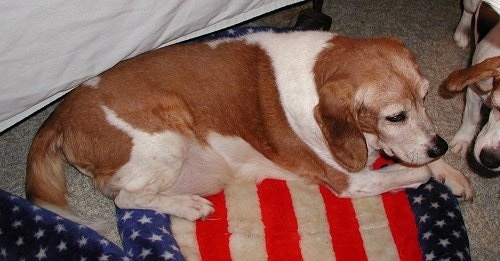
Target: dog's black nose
440 147
489 159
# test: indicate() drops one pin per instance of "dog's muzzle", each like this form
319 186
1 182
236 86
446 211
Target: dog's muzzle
489 158
438 149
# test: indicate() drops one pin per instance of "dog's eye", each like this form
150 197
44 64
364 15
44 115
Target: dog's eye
397 118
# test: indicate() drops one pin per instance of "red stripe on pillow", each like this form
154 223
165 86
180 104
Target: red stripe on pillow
280 222
212 234
403 227
344 227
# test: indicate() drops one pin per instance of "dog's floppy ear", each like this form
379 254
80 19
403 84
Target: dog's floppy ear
335 114
459 79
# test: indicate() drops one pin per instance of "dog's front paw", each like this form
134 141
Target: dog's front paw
457 182
461 37
459 146
460 186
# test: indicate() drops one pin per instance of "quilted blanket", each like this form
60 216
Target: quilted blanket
273 220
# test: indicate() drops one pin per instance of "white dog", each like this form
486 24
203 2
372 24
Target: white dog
487 44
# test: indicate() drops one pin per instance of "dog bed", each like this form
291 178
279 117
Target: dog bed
273 220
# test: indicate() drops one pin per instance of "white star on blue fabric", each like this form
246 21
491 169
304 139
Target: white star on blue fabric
144 220
39 234
60 228
38 218
145 252
444 196
134 235
427 235
19 241
83 241
440 223
444 242
430 256
127 216
418 199
167 256
42 254
424 218
155 238
17 224
62 246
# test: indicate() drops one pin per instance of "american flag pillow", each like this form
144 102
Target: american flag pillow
274 220
278 220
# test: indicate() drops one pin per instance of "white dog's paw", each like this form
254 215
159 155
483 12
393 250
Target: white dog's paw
461 37
459 146
193 207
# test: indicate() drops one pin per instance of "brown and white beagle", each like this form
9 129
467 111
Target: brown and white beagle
164 129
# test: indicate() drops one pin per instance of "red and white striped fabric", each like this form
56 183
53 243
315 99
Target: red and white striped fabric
278 220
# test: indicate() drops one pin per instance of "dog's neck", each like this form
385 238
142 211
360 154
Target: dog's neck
291 56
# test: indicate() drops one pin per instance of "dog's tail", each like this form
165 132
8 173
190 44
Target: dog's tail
45 176
459 79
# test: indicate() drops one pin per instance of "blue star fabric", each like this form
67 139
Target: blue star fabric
146 235
28 232
442 233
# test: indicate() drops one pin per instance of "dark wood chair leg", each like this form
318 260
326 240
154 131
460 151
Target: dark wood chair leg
313 18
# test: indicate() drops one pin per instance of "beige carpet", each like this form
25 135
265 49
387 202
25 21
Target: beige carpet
425 26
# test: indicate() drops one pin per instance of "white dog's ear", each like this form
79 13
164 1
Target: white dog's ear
459 79
338 122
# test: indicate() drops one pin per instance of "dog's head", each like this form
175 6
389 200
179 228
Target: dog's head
371 94
487 146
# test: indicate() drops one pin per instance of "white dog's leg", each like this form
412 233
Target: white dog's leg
463 31
452 178
393 177
470 120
